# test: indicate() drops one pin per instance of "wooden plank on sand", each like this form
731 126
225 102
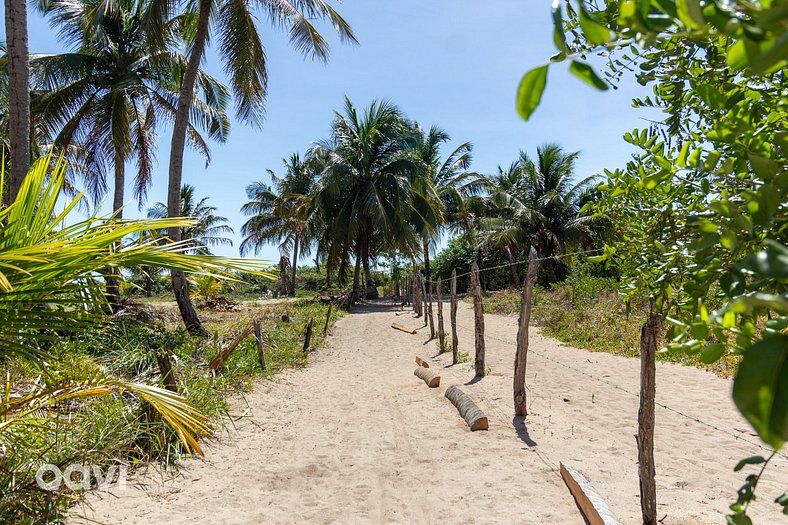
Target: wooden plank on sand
591 505
405 329
422 362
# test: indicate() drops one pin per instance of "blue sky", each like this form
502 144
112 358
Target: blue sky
454 63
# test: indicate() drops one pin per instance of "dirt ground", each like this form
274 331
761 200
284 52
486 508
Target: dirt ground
356 438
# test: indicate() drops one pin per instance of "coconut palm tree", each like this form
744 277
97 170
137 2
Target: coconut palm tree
537 203
241 50
283 212
374 187
207 229
111 93
18 94
452 181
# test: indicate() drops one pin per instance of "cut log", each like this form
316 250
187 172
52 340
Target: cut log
422 362
594 509
428 376
469 410
405 329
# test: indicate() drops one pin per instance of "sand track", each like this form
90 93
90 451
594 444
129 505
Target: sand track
356 438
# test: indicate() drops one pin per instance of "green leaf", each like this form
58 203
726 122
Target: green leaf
771 262
690 13
558 27
529 94
760 389
595 32
712 352
752 460
587 74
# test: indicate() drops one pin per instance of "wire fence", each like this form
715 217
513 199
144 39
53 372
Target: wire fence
738 435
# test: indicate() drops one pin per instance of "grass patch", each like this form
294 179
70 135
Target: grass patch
463 357
122 429
590 314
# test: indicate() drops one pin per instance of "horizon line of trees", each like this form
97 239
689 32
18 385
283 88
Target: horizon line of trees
380 186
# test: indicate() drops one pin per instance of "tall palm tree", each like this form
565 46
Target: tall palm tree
454 184
242 52
18 93
374 187
282 212
111 92
537 203
207 228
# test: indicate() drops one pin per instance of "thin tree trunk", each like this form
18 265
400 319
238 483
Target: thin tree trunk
513 266
645 436
295 267
180 285
427 273
371 292
521 355
283 288
356 274
18 94
113 275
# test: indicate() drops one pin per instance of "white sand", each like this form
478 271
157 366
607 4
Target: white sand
357 438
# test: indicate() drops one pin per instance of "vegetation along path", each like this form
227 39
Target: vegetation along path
356 438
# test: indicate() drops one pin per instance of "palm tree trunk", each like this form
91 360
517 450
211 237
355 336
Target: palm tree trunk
371 292
426 258
113 276
513 266
295 267
354 296
18 94
180 285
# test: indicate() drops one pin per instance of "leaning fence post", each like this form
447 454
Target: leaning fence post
521 356
328 317
453 317
258 335
308 335
429 309
645 437
441 334
478 316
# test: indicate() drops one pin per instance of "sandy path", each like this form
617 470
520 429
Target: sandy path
356 438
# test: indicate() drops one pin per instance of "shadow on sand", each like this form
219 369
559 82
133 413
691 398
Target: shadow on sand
522 430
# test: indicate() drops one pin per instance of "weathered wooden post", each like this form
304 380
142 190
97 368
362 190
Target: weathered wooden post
645 437
328 317
425 308
308 335
258 335
441 334
453 317
478 317
429 309
164 359
521 356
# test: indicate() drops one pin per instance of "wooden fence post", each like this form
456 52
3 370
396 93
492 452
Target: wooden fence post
521 356
441 334
645 437
163 357
308 335
429 309
478 317
258 335
424 307
453 317
328 317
